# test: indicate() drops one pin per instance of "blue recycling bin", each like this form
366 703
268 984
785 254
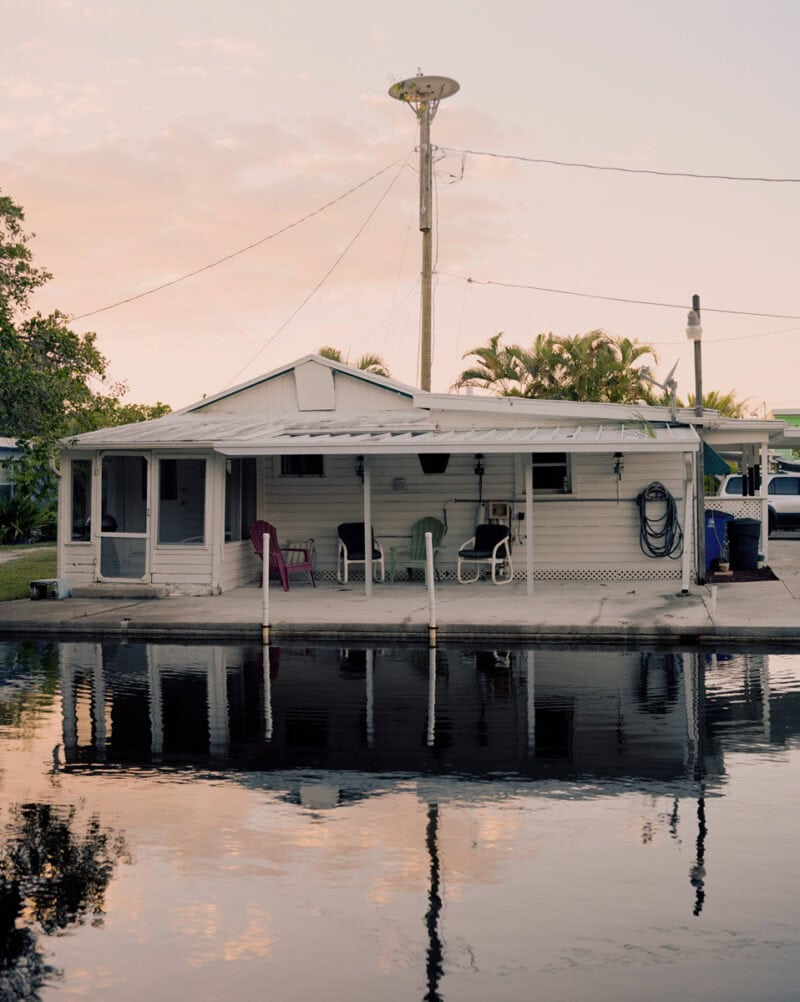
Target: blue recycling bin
716 534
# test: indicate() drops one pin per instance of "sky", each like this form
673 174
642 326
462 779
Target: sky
147 141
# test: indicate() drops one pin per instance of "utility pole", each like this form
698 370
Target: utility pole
424 94
694 332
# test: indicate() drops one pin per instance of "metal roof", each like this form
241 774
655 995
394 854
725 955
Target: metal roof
388 431
600 438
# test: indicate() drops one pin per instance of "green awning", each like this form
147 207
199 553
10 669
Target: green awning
713 464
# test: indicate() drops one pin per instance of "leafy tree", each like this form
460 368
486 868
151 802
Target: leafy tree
591 366
728 404
499 369
46 368
367 363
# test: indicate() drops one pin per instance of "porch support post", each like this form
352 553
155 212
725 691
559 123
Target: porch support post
529 523
367 528
764 460
687 522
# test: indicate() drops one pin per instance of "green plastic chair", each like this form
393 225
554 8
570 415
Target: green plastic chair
414 556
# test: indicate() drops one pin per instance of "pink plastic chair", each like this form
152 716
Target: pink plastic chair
277 563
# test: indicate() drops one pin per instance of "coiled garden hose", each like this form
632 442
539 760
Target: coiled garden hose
660 535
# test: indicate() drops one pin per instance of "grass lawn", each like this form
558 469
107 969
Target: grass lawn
30 564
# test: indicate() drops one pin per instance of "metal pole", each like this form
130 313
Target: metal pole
425 225
687 521
701 472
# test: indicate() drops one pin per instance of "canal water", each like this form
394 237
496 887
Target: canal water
329 823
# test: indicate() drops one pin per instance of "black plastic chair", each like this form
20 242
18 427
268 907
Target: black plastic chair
351 551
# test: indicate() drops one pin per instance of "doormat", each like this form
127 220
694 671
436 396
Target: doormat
762 574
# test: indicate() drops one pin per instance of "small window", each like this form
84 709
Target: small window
551 473
302 466
81 498
734 485
182 501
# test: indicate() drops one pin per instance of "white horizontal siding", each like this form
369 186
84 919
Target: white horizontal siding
583 530
76 564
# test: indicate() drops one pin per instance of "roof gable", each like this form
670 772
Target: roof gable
311 383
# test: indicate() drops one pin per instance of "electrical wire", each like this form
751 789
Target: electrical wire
659 535
325 277
617 299
693 175
242 250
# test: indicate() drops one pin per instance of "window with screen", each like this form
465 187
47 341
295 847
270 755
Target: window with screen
551 473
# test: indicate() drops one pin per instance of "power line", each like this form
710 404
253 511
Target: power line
242 250
328 274
694 175
616 299
738 337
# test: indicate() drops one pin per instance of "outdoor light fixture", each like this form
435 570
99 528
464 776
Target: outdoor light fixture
360 468
619 465
694 329
480 469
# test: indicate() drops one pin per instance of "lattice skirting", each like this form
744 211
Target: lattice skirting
662 570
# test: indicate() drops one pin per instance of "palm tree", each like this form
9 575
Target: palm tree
367 363
727 404
591 366
498 369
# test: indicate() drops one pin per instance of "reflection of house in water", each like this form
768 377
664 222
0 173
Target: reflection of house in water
548 714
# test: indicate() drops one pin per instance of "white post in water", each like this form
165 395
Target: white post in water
265 590
431 589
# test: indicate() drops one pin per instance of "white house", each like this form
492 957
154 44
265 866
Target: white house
315 443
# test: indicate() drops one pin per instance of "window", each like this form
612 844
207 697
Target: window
81 495
240 498
733 485
182 501
551 473
302 466
784 485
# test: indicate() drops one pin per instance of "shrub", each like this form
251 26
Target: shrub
22 519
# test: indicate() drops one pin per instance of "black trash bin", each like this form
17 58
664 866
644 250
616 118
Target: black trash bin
743 536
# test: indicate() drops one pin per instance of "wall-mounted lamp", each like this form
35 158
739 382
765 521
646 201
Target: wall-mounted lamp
619 465
360 468
480 469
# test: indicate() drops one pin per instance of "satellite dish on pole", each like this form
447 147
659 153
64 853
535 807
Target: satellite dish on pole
423 90
424 94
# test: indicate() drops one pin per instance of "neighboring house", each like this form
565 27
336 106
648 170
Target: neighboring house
8 450
316 443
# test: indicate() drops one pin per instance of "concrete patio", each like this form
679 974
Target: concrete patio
635 611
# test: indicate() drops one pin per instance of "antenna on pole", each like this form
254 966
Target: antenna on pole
423 94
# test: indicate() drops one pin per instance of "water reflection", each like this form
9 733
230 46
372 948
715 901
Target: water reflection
497 750
54 872
549 714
